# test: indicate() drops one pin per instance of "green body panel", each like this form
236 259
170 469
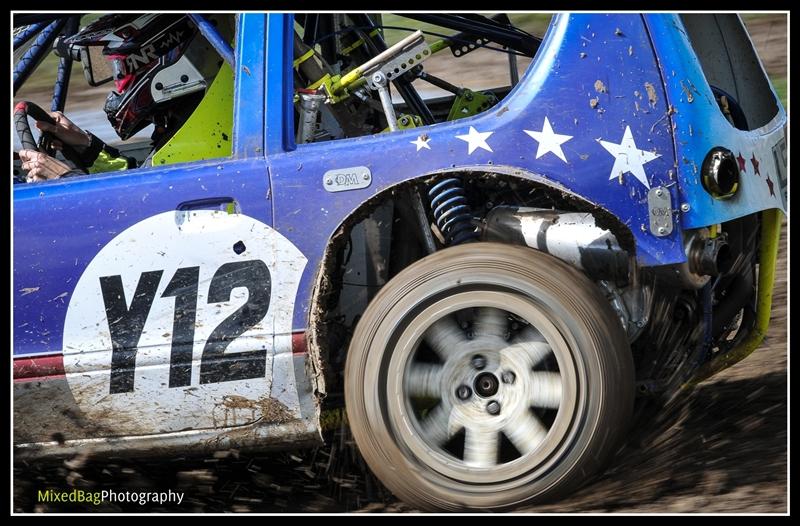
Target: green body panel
106 163
207 133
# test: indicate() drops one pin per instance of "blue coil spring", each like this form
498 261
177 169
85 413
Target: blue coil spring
452 212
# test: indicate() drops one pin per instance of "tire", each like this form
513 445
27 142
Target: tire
486 376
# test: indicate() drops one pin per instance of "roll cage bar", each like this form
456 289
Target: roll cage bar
478 30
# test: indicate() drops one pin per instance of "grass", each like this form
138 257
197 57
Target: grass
780 86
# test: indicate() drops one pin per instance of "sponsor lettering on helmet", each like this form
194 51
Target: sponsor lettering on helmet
134 61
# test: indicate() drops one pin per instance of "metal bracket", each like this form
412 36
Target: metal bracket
327 83
418 51
659 205
461 48
406 122
469 103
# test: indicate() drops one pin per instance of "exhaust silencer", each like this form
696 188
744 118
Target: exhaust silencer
571 236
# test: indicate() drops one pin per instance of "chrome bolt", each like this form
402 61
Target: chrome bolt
366 177
478 362
508 377
662 230
329 181
463 392
685 207
659 192
493 407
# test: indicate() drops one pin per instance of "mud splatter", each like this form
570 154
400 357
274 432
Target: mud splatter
651 94
599 87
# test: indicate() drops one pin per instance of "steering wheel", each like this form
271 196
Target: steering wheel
26 109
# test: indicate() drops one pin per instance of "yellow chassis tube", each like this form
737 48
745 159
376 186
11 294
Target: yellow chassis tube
770 236
348 80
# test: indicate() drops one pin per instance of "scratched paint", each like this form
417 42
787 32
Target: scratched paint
699 126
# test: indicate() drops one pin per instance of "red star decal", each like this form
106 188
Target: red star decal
742 163
755 165
771 186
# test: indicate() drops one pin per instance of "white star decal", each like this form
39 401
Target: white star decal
628 158
422 142
549 141
476 140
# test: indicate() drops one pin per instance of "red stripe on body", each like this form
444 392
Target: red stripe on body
299 345
52 367
39 368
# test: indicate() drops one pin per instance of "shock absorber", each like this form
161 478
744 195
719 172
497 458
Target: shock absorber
451 211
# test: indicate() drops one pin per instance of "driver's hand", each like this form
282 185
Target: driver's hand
41 167
66 131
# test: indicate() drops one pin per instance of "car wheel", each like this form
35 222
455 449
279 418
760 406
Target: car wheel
485 376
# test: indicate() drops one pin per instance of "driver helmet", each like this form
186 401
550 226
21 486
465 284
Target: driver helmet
160 66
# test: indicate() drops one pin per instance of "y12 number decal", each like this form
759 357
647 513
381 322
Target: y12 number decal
179 313
183 287
215 365
126 324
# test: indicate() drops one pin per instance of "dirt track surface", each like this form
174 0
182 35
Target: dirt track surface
723 449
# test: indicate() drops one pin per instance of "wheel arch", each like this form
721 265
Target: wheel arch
322 343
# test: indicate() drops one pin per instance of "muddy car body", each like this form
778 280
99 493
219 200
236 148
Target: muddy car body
624 191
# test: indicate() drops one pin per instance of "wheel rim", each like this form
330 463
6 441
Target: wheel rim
485 407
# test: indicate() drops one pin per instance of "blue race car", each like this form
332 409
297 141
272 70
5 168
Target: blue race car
488 280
